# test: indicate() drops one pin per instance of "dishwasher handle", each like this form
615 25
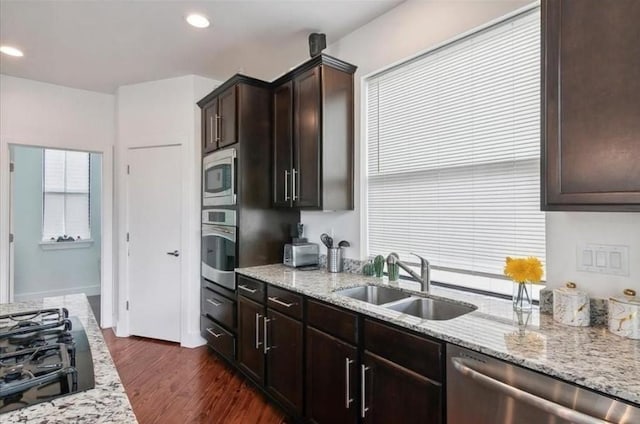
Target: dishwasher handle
521 395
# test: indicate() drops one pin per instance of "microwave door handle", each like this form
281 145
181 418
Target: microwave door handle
521 395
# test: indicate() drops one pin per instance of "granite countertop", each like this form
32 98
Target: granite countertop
588 356
107 402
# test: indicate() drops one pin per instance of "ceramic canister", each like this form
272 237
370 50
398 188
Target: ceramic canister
624 315
571 306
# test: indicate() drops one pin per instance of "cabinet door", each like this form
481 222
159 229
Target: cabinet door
210 128
394 394
282 144
283 339
332 379
591 108
250 338
307 154
227 117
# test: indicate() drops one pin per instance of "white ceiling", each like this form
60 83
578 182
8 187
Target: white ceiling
100 45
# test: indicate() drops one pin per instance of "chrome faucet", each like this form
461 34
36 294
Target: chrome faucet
425 270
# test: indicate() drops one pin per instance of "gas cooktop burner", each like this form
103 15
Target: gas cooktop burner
43 354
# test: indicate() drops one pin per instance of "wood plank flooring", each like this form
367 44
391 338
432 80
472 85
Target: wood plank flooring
169 384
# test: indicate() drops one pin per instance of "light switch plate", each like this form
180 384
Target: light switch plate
603 259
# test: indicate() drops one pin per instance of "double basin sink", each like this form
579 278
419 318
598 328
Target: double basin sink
397 300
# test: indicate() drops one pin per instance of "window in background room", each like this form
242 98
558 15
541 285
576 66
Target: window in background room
66 195
453 140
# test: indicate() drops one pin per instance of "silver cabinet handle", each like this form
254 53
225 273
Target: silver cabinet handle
265 344
213 302
286 185
517 394
347 376
258 316
210 129
293 184
219 125
210 331
280 302
363 384
247 289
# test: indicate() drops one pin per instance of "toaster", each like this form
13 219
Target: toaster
301 254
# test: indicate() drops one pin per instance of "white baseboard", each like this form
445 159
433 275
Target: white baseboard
88 290
191 340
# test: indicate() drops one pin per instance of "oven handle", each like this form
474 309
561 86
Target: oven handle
517 394
220 231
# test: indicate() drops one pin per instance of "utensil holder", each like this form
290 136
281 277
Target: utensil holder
334 259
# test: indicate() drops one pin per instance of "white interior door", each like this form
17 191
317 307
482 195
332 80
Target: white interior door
154 211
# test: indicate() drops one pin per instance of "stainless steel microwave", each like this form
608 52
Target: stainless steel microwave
219 178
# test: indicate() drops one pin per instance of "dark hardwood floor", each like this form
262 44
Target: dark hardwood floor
169 384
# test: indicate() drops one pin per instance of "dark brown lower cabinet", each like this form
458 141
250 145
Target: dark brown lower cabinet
284 347
250 349
332 379
394 394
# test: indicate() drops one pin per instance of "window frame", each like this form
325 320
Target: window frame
49 244
364 167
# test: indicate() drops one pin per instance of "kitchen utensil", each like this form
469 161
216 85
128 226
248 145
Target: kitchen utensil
344 243
326 240
571 306
334 259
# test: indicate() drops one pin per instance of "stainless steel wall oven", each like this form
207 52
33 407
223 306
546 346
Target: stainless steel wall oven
219 238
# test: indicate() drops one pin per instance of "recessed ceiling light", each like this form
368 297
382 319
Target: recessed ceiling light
11 51
198 21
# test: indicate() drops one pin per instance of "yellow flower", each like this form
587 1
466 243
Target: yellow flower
523 269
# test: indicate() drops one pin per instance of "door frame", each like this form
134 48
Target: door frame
190 233
125 327
106 247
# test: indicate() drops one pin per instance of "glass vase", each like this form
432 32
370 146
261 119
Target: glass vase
522 296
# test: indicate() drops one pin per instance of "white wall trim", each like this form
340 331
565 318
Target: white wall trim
106 274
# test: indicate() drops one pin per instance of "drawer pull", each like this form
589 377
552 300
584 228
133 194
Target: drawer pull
281 303
213 302
247 289
213 333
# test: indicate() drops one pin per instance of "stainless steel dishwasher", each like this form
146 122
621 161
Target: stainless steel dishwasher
485 390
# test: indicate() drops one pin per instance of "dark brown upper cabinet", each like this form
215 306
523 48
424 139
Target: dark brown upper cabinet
232 111
591 105
313 136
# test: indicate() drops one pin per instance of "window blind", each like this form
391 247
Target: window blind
66 195
453 140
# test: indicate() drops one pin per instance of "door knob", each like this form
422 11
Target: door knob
174 253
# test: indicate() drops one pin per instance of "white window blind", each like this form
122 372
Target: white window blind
453 141
66 195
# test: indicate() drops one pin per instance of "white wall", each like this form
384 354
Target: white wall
47 115
71 269
159 113
401 33
565 230
409 29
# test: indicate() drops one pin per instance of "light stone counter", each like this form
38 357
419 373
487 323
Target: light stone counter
588 356
106 403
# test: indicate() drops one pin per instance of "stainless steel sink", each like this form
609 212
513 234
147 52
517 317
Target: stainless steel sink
374 294
432 309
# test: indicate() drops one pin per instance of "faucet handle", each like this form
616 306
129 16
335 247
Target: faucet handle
423 261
